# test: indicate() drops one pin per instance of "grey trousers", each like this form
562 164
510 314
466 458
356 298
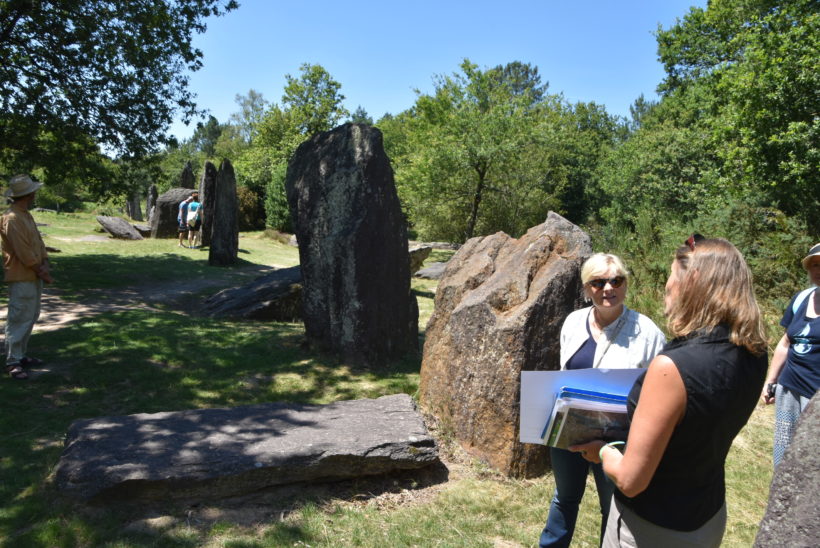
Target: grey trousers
625 529
24 309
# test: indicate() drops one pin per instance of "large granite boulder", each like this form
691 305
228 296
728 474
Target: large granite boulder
352 247
498 311
791 517
224 244
119 228
212 453
207 189
164 220
186 178
132 208
276 296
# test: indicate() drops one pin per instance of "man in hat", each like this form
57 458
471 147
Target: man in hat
25 265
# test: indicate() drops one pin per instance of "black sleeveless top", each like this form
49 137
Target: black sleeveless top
723 382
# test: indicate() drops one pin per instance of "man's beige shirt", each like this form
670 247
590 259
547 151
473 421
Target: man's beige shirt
23 248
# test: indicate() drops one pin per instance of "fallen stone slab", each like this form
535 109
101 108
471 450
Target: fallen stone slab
433 271
216 453
119 228
143 229
276 296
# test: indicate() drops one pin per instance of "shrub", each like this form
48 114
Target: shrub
251 209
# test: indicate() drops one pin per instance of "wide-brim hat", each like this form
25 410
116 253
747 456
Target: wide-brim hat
21 185
813 252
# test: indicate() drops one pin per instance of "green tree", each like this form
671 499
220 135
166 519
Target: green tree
206 136
760 60
360 116
313 100
252 109
110 73
472 161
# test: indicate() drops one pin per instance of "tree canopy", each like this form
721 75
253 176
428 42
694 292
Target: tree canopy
83 73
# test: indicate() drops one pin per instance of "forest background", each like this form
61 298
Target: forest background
730 148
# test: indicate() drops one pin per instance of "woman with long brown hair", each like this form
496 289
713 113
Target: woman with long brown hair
688 407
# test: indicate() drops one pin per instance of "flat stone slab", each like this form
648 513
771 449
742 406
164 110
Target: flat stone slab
215 453
276 296
119 228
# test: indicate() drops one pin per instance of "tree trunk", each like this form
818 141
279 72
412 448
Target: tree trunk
479 189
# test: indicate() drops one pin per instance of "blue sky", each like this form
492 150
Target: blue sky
381 51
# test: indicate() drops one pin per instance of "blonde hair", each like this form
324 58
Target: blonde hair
715 287
600 263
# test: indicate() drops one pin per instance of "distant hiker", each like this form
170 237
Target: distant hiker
794 374
182 217
26 267
194 219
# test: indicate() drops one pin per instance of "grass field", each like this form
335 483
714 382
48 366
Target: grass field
160 360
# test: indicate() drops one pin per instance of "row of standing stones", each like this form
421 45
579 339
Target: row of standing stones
498 306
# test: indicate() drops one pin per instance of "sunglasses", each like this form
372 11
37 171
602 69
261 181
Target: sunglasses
692 240
600 283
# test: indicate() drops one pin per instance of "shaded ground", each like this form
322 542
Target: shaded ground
56 312
182 297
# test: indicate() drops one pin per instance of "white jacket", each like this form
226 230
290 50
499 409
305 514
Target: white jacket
637 340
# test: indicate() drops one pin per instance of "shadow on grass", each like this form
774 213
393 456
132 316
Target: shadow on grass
145 362
78 274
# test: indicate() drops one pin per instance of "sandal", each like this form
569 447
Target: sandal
31 362
16 372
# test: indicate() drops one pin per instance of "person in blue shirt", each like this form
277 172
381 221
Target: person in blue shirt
794 373
194 219
182 219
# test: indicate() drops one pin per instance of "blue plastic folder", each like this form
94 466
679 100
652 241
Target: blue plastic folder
579 416
541 389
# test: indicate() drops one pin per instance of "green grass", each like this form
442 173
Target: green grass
148 361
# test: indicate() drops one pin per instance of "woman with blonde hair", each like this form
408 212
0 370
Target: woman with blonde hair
606 335
690 404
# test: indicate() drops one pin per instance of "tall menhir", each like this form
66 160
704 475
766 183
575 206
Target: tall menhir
352 238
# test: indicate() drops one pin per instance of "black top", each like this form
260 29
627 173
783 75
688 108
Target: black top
723 382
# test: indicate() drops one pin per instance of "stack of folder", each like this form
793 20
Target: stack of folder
579 416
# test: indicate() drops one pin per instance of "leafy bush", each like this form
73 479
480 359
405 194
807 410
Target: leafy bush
276 203
251 209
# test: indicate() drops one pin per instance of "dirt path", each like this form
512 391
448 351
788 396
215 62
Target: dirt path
57 313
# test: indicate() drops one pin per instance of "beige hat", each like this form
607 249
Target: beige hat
21 185
813 252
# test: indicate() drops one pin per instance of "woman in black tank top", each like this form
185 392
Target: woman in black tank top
688 407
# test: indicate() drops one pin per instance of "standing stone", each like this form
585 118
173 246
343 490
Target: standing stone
164 220
791 515
151 202
224 246
186 178
207 187
352 247
498 311
133 208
